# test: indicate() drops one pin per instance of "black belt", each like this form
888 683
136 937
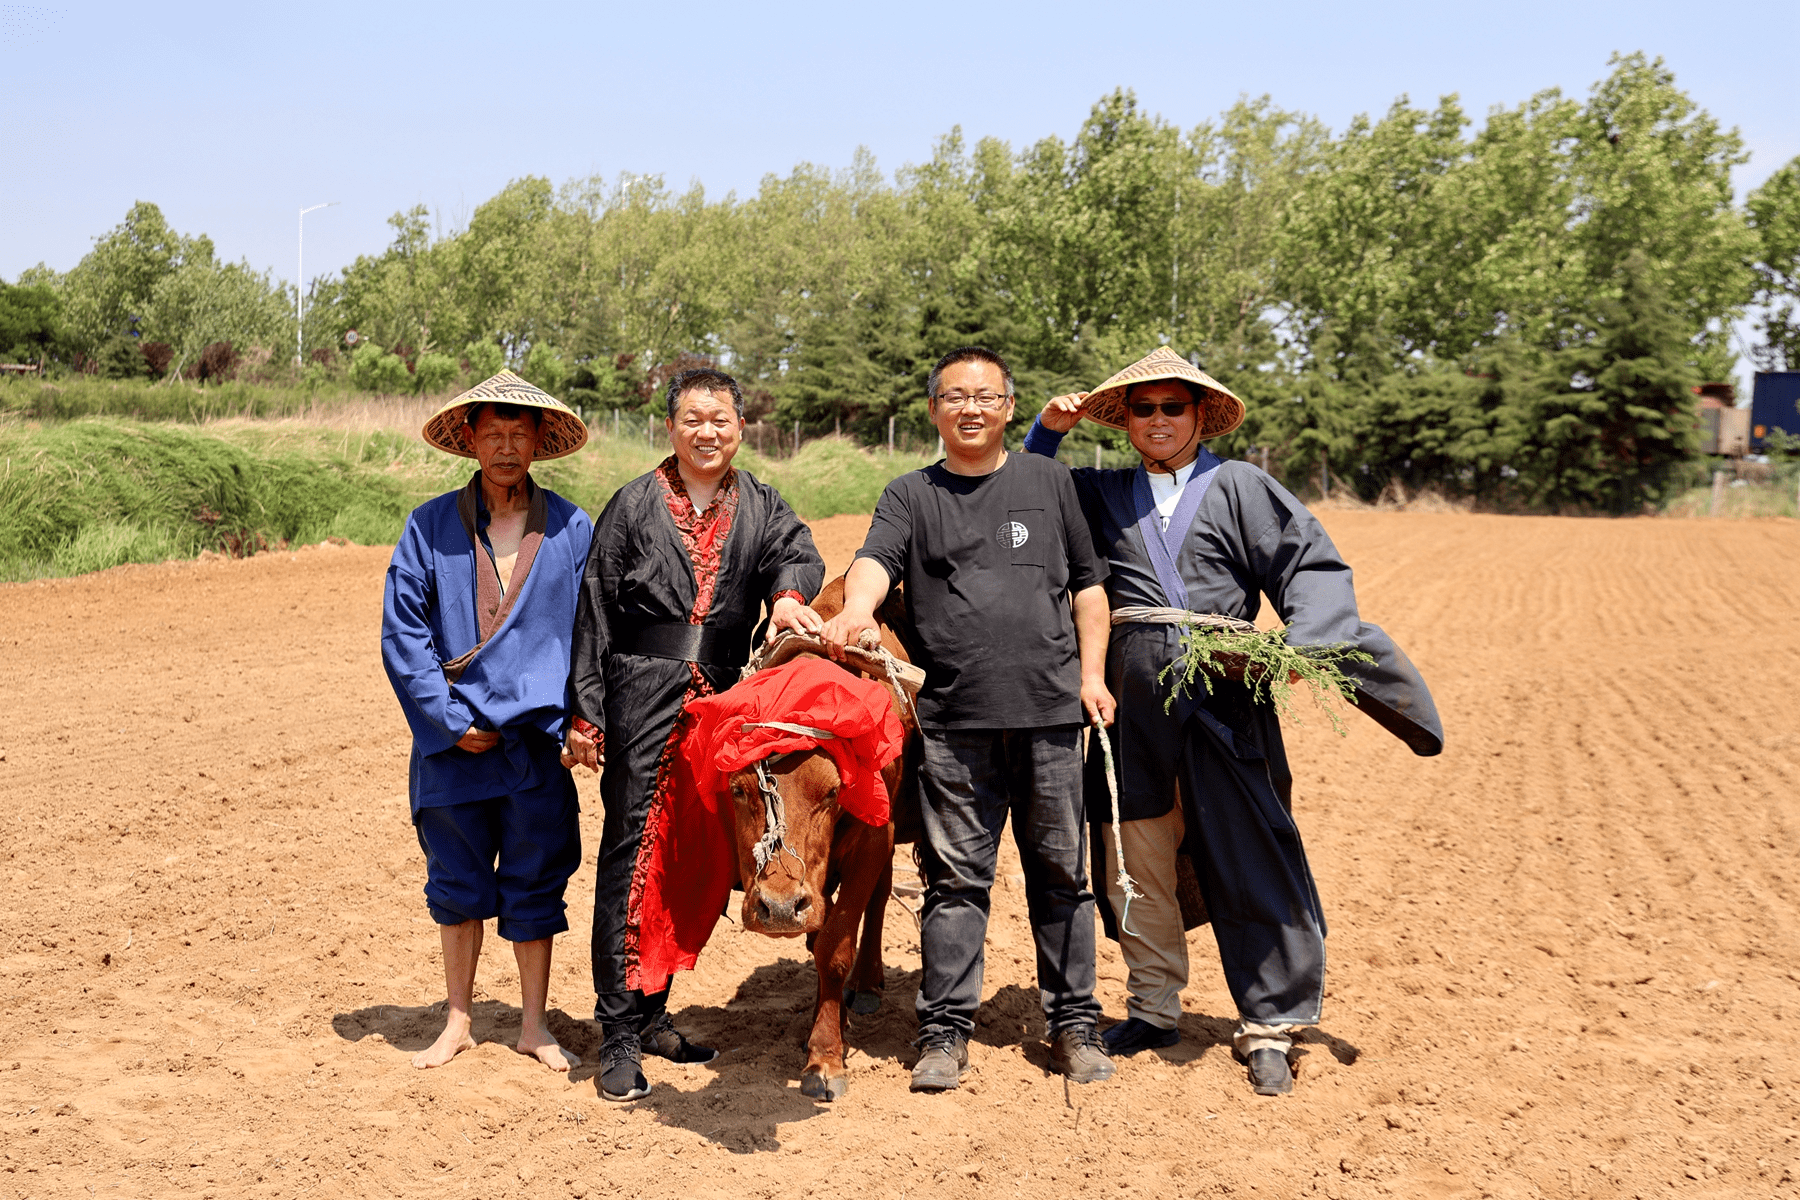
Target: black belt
716 646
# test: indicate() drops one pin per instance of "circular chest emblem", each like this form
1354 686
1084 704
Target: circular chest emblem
1012 535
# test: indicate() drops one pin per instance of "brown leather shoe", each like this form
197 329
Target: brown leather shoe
1079 1053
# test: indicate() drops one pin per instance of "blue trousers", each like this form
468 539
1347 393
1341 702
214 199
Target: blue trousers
970 780
508 857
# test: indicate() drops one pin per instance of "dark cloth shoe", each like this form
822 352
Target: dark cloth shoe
1079 1053
943 1060
622 1066
1270 1074
1134 1034
662 1039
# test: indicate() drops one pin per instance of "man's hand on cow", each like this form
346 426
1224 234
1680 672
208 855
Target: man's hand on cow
844 630
789 613
1097 702
1062 413
478 741
582 750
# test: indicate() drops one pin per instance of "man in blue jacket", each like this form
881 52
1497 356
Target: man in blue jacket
475 636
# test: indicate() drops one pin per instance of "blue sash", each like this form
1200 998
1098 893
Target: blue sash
1165 544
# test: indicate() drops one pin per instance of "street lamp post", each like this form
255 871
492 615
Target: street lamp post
300 280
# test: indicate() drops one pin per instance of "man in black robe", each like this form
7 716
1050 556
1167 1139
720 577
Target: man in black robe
1187 532
683 560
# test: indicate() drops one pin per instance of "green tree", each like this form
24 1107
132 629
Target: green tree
30 322
116 281
200 303
433 373
1652 172
485 359
1614 416
374 369
1774 211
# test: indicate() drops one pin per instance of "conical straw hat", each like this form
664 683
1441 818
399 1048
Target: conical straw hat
561 431
1220 410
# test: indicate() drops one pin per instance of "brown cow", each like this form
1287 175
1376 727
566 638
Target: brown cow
838 872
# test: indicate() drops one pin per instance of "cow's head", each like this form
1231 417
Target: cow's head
787 897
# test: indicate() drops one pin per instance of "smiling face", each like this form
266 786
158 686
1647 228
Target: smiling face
968 430
706 431
1160 437
503 446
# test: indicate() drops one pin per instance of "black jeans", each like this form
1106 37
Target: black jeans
970 780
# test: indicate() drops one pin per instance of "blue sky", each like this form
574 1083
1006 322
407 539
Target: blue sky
232 117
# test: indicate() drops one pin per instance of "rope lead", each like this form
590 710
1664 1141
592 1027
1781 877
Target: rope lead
1126 883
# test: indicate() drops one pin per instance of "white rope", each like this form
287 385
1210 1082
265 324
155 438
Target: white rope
824 735
773 840
1126 883
1144 614
892 666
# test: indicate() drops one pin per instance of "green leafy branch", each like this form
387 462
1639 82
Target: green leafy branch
1264 661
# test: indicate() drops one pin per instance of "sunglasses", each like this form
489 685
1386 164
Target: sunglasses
1173 408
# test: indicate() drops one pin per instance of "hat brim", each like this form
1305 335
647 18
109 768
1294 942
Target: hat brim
560 431
1220 410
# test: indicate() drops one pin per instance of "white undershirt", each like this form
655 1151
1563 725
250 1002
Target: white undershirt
1166 489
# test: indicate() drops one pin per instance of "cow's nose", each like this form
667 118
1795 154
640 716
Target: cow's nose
780 912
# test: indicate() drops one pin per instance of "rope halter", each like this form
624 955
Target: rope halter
773 840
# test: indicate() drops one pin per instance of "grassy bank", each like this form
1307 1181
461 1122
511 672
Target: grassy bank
77 396
84 495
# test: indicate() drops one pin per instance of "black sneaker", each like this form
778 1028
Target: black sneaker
1134 1034
1079 1053
1270 1074
662 1039
622 1067
943 1060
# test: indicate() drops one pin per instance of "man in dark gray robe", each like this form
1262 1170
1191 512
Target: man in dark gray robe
1187 532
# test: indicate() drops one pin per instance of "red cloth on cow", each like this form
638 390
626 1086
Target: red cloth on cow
689 875
802 691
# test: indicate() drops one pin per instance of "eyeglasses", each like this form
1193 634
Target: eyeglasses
985 401
1172 409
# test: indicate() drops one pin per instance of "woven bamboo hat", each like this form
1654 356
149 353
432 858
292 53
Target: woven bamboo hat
562 432
1220 410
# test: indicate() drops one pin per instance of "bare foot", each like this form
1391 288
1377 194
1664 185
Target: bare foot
452 1042
547 1051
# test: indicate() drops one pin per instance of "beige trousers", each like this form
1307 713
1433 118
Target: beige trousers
1155 951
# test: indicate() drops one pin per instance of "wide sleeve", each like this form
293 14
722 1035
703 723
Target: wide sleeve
1311 587
593 635
438 717
789 561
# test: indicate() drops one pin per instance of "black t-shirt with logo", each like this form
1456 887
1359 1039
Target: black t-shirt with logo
989 563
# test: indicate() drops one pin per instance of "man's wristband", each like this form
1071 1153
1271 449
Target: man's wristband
586 729
798 598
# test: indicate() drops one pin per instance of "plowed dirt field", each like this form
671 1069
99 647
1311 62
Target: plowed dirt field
1564 954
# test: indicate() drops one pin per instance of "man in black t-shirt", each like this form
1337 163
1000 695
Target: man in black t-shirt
1005 589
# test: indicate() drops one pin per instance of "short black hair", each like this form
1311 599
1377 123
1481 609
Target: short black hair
1194 393
705 379
963 354
505 411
